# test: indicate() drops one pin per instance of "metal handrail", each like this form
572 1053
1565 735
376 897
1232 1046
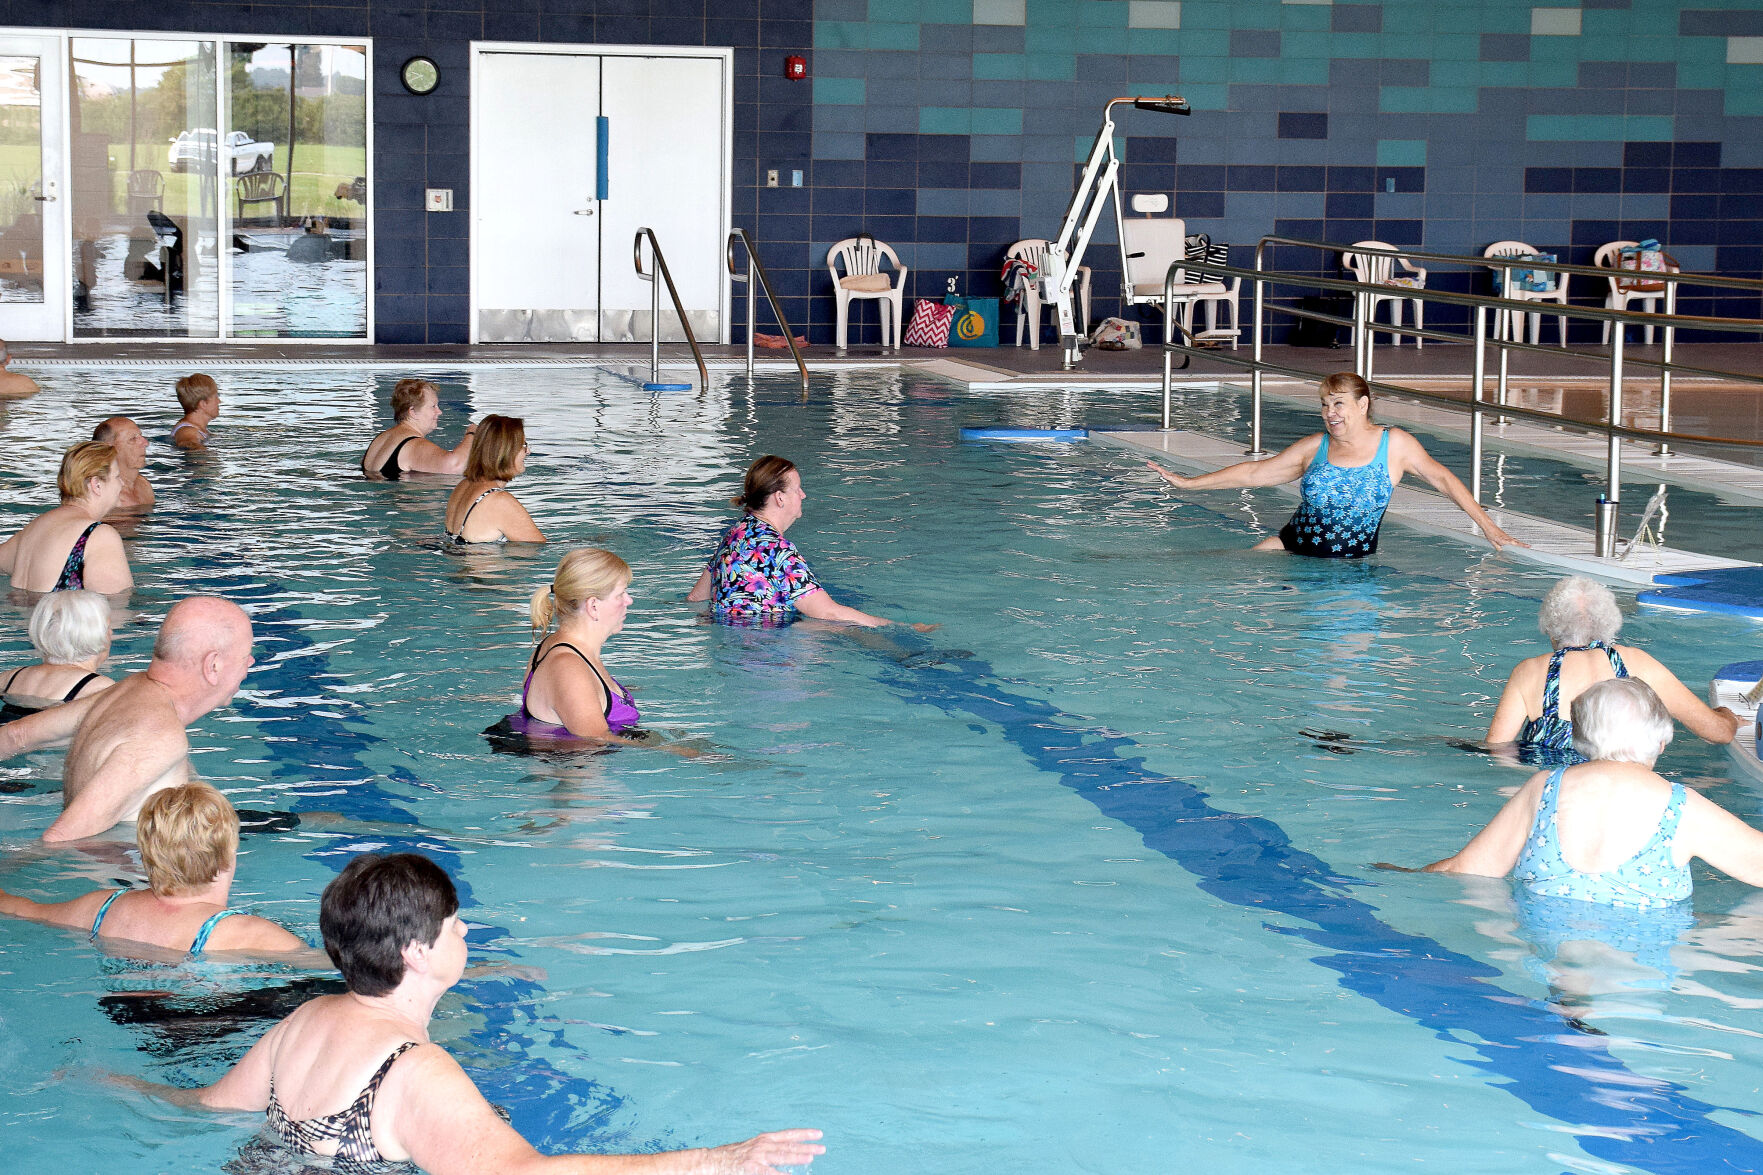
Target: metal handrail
1364 344
755 267
655 307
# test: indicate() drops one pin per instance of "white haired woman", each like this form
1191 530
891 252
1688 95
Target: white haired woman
1610 830
1581 620
71 630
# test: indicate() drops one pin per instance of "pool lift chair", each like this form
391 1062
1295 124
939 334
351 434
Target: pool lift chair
1098 189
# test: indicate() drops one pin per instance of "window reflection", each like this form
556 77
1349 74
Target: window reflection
21 181
299 121
145 191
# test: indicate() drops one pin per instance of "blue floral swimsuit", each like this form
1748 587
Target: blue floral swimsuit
1647 880
1343 507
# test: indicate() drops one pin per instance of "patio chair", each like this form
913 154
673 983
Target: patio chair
1634 288
146 190
1028 308
1375 269
1152 244
861 258
261 187
1202 249
1555 291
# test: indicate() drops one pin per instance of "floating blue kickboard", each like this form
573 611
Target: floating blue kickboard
1019 435
1736 591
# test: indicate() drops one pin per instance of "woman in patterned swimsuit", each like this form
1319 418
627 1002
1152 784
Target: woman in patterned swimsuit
71 546
757 576
356 1077
1347 474
1610 831
1581 620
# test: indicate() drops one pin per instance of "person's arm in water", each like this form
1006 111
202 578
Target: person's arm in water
1700 719
76 912
1286 465
424 456
1718 837
517 525
1494 850
818 604
429 1109
700 590
1511 714
107 566
44 728
1407 455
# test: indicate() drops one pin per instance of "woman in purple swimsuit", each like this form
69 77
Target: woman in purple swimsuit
568 693
71 546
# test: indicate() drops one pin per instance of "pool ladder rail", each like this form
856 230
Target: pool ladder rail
756 269
685 323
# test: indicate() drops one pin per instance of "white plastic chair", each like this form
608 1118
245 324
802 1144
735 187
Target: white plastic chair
1508 322
863 255
1376 269
1619 296
1028 308
1152 244
1212 302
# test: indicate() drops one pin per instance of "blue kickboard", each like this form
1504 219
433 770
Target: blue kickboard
1737 591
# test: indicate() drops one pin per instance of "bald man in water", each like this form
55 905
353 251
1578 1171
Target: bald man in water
125 436
129 740
14 386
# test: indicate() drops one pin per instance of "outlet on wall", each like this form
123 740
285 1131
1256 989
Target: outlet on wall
771 178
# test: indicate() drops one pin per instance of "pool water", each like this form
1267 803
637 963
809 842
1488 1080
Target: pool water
1080 881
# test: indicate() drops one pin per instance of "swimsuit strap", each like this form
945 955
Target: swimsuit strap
1383 450
71 694
537 660
98 919
1552 679
350 1127
605 688
7 688
460 534
208 929
389 467
73 572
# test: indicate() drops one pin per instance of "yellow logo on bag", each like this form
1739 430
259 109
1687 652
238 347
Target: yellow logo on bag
971 326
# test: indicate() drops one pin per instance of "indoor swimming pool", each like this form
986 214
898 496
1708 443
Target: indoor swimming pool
1079 881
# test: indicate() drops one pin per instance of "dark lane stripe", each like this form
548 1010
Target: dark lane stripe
1616 1114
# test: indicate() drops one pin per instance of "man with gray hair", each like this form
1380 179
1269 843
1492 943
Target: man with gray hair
1610 830
125 436
129 741
1581 620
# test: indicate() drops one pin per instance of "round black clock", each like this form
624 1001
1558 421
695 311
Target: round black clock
420 75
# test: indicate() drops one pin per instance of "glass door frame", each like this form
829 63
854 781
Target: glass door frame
222 97
55 172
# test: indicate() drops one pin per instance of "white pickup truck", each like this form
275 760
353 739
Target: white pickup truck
195 149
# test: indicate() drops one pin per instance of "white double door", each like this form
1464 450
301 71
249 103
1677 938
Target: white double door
34 266
573 150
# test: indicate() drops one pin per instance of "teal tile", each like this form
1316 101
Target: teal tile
1046 39
996 121
1160 42
1107 40
1603 128
998 67
1456 46
1041 12
1206 97
1203 43
840 34
1305 71
1407 18
1208 14
1101 14
1362 45
1427 99
886 35
1204 69
1085 143
1654 20
1505 73
1554 73
838 91
1746 97
902 11
1401 152
944 120
1311 18
1050 67
1457 73
1257 69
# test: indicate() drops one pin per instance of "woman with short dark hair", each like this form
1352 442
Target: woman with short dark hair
481 510
756 574
355 1076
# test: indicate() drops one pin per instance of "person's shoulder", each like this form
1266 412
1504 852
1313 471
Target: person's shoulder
249 932
15 386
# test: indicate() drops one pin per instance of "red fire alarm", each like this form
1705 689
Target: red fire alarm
795 68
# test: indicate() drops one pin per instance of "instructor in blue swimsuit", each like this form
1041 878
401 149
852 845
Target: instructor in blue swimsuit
1348 473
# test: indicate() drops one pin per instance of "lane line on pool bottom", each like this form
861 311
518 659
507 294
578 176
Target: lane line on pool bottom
1614 1113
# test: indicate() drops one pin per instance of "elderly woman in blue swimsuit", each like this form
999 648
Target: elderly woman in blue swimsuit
1581 620
189 838
1610 831
1348 473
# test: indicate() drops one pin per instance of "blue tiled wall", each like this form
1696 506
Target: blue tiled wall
951 128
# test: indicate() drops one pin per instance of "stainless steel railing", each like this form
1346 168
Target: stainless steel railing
1364 351
755 269
655 307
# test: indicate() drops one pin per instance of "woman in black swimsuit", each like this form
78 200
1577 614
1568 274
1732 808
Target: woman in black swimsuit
404 448
481 510
71 546
72 631
356 1077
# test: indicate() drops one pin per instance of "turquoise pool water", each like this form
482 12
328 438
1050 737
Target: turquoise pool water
1086 899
